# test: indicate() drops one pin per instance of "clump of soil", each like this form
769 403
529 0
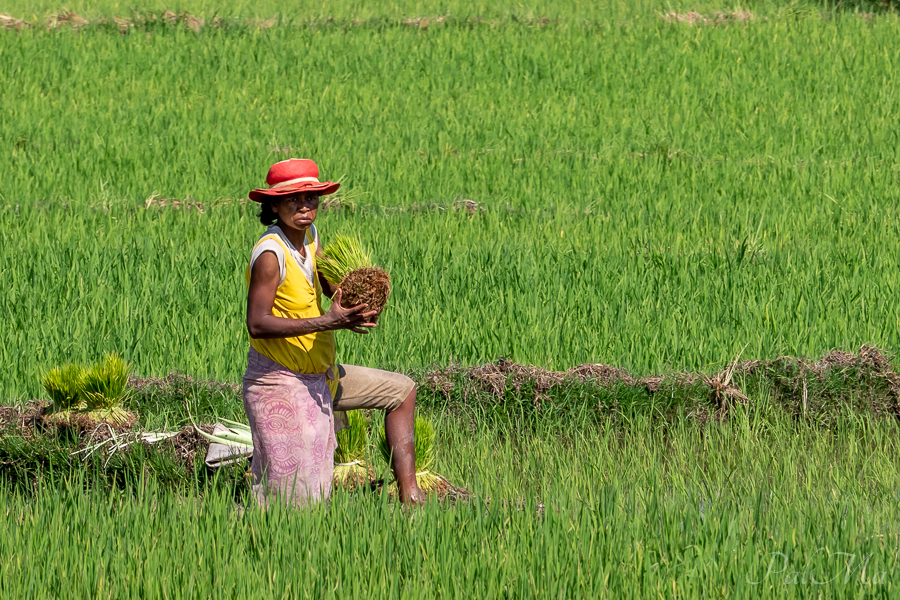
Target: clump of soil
804 385
10 22
186 444
24 417
369 285
81 422
444 491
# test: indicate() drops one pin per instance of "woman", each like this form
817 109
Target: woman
293 386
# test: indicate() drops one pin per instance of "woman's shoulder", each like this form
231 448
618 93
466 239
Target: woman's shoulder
272 234
269 243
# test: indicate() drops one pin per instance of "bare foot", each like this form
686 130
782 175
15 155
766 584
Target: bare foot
412 497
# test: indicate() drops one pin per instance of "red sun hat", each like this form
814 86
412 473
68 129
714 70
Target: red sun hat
291 176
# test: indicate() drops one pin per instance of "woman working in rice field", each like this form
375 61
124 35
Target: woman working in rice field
293 385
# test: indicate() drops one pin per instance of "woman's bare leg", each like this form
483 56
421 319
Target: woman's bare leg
399 431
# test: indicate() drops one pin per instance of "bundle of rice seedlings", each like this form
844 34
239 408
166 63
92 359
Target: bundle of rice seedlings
64 385
104 390
349 267
427 480
349 467
238 435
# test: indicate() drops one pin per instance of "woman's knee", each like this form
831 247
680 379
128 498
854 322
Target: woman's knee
407 399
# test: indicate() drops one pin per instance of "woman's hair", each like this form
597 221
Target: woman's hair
267 214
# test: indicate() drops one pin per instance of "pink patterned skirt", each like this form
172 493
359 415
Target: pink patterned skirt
292 423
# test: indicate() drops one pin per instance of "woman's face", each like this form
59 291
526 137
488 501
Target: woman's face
297 211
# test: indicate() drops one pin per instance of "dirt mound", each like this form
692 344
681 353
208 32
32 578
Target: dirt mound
179 385
444 490
66 18
22 418
601 373
868 357
186 444
424 22
9 22
495 378
801 383
715 19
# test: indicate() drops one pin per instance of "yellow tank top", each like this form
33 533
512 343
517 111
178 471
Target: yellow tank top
295 298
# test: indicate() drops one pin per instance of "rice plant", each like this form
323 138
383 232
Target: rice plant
546 519
350 467
105 390
347 265
64 386
343 254
620 217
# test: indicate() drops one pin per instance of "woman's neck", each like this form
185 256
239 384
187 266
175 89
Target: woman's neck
296 236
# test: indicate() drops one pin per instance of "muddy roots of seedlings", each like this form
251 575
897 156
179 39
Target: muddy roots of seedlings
369 285
78 421
432 483
353 476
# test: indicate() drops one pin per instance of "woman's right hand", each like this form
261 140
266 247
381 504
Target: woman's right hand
355 318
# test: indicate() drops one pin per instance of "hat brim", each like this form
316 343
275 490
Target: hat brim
265 194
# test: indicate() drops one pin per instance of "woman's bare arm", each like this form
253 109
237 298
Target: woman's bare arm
262 324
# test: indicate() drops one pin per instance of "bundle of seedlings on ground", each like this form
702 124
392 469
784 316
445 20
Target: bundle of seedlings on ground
235 434
428 481
349 267
63 386
89 396
350 469
105 389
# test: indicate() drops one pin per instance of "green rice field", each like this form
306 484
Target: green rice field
549 184
725 513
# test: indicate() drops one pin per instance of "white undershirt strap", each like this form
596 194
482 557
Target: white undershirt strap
304 262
